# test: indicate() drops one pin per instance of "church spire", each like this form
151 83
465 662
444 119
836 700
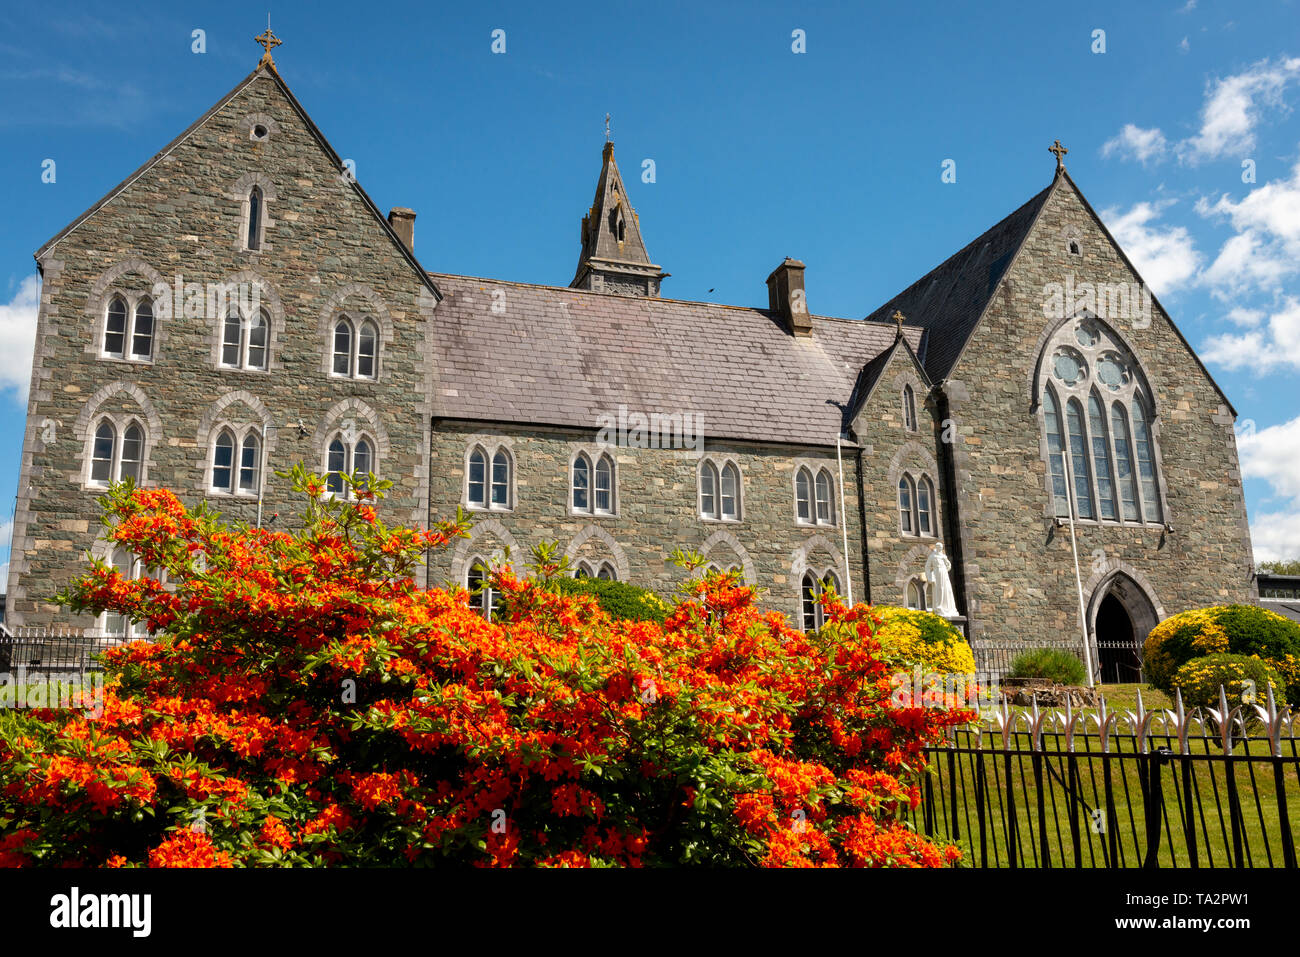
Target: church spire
614 257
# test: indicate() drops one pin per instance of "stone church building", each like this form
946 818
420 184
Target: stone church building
795 447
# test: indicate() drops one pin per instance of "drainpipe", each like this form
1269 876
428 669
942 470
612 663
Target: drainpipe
844 524
952 513
261 474
862 522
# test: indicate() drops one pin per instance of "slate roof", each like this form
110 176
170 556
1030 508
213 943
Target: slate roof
949 299
559 356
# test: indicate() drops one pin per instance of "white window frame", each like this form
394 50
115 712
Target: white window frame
132 302
245 344
355 328
120 428
716 469
349 460
490 452
239 436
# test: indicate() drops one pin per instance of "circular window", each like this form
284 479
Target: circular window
1087 335
259 132
1069 366
1112 370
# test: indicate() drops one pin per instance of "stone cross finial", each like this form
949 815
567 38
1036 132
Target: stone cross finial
1060 152
898 317
606 127
269 41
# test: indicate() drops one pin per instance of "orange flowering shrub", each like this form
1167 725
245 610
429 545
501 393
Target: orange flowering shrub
306 703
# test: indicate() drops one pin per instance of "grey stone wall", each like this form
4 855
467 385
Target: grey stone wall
657 511
324 252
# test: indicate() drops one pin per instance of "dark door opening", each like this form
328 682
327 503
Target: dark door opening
1117 649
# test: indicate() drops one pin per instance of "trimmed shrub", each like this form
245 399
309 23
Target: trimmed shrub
1053 664
1201 677
1224 629
921 638
619 600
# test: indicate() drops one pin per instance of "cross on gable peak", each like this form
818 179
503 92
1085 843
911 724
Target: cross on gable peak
268 42
1059 151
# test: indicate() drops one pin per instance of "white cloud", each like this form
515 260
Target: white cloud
1137 143
1234 106
1188 7
1266 248
18 338
1164 256
1184 46
1273 455
1274 347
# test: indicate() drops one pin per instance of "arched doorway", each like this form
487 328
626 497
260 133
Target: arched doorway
1122 616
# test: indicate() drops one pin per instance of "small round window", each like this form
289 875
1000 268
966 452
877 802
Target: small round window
1113 371
1069 366
259 132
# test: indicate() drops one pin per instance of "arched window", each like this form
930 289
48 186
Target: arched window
500 479
244 341
254 237
477 493
581 484
223 462
730 493
249 463
909 408
582 570
811 590
356 348
607 572
906 496
343 347
1146 461
483 598
101 462
803 496
708 490
825 499
604 485
1105 426
1055 446
924 507
916 589
129 328
367 350
346 457
720 491
1128 493
114 457
115 328
1079 459
121 626
1101 459
142 330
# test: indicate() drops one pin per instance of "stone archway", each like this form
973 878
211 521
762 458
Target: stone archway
1120 616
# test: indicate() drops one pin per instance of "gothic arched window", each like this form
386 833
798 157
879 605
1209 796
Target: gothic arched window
345 456
909 408
1099 426
254 237
114 456
129 328
244 340
720 491
810 590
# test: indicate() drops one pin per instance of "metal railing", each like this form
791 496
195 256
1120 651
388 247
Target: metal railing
53 650
1117 662
1214 787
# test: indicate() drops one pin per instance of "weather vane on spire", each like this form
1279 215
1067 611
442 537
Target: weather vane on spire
269 41
1060 152
606 127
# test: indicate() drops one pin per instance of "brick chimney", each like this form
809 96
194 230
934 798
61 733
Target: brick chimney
786 297
403 222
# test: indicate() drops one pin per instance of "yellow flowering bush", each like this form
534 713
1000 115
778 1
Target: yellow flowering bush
921 638
1245 680
1231 630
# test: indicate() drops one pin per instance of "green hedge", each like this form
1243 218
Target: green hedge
618 599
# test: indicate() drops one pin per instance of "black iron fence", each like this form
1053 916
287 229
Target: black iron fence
42 650
1116 662
1152 789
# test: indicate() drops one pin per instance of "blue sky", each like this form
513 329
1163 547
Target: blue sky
833 155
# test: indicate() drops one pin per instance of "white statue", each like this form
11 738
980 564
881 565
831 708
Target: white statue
937 567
